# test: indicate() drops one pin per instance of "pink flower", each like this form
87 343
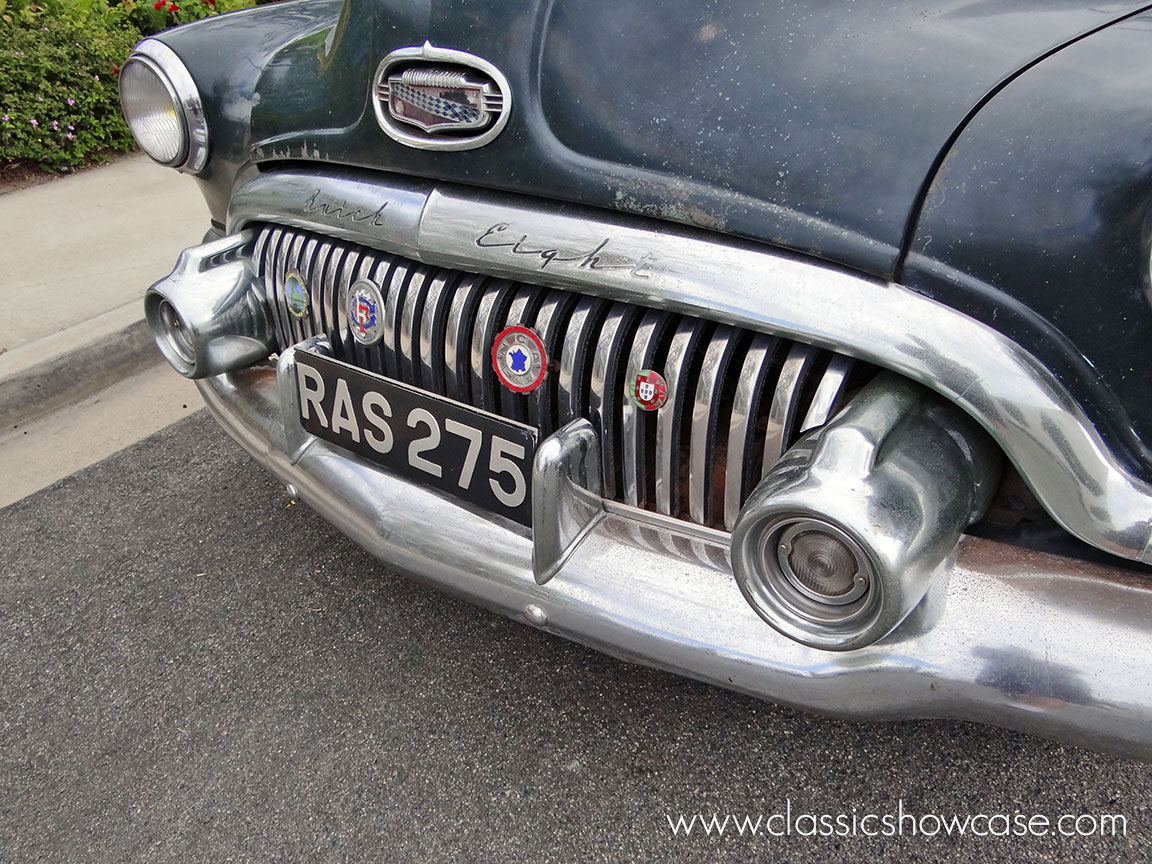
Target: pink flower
97 77
71 101
33 122
69 136
71 128
55 125
39 98
4 117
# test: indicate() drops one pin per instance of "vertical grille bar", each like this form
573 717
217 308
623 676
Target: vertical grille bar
636 424
522 310
583 327
702 482
550 324
409 326
278 253
320 319
292 254
750 388
457 338
310 324
829 393
670 420
393 305
432 330
337 311
489 318
606 390
786 401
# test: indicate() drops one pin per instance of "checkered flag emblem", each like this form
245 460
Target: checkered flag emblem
427 99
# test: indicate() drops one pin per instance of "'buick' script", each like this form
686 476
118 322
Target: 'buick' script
500 236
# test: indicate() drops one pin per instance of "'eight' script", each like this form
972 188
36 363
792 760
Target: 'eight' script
499 236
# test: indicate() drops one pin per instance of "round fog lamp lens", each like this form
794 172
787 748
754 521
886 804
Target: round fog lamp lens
153 112
823 564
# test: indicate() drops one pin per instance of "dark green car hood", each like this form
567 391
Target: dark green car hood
808 125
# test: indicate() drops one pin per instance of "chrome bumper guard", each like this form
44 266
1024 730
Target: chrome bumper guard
1019 639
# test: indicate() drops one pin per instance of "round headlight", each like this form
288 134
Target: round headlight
152 113
162 107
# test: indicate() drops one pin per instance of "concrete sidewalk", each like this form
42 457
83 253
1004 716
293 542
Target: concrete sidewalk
76 255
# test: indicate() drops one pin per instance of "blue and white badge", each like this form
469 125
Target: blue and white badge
519 358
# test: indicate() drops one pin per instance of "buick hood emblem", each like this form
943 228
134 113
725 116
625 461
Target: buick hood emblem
439 99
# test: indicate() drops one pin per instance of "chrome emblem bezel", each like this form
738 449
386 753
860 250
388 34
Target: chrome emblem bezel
410 75
525 344
296 294
365 308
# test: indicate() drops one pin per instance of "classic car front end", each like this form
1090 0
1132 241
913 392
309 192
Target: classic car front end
804 357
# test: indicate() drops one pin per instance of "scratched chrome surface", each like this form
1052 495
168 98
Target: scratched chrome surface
1027 411
1018 639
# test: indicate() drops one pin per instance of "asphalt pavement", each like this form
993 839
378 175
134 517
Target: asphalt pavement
197 669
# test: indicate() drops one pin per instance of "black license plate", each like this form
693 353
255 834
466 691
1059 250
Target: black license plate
458 449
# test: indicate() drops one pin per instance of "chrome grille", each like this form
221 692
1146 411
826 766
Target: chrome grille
736 399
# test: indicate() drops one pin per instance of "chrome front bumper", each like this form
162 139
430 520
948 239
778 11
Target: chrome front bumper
1019 639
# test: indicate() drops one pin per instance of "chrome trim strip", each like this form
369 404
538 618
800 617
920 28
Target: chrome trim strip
1025 408
749 391
670 418
705 419
680 528
1019 639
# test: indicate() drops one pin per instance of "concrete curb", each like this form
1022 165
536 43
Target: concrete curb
74 363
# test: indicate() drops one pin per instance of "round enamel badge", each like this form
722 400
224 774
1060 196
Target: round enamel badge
649 390
296 294
519 359
365 312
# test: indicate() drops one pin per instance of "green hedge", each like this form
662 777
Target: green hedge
59 103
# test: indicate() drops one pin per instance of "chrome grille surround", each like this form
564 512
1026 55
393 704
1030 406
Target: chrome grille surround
1086 487
736 401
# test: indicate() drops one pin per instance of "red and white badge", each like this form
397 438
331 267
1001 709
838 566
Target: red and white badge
519 358
649 390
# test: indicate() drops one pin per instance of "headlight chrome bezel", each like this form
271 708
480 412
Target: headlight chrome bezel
164 63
